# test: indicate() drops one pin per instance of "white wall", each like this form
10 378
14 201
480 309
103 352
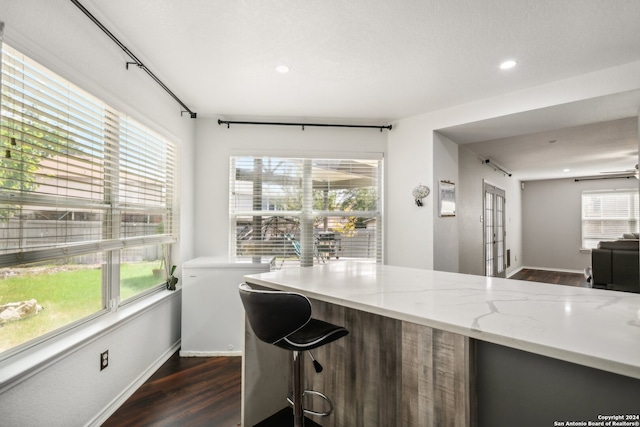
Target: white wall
445 229
67 387
70 390
215 144
551 216
410 232
409 236
473 173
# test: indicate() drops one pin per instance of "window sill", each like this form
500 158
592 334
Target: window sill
24 364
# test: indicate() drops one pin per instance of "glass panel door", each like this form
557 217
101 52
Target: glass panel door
494 231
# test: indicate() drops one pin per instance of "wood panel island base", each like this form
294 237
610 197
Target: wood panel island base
429 348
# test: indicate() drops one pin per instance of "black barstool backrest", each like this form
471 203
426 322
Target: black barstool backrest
274 315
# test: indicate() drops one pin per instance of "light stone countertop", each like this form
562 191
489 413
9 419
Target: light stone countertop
591 327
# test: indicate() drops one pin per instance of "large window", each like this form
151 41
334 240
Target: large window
607 215
300 211
86 204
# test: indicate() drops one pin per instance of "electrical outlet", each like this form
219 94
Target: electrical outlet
104 359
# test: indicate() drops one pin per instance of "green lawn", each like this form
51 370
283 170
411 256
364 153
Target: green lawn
67 294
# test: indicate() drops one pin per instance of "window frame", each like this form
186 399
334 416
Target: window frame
632 198
306 214
112 207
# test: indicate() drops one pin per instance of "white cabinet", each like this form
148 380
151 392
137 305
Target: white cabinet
212 313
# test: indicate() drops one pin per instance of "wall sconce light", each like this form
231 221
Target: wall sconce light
419 193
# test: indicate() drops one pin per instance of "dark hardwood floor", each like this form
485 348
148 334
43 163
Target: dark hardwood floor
555 277
186 391
205 391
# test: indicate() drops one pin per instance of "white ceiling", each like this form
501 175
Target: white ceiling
597 149
370 61
589 138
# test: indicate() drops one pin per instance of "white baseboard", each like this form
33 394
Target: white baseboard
517 270
209 353
135 385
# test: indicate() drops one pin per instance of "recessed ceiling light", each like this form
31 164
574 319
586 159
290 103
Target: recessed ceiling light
566 170
508 64
282 69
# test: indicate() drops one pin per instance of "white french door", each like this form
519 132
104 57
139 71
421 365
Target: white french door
494 231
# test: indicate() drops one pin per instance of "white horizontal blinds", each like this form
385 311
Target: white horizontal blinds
51 167
607 215
322 208
59 164
52 132
145 183
346 209
265 205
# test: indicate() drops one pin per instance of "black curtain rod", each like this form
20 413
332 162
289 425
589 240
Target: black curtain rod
136 61
231 122
496 167
596 178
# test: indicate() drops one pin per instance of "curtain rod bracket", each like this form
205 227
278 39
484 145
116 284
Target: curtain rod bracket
134 63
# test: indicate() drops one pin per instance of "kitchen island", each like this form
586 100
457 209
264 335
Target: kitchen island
435 348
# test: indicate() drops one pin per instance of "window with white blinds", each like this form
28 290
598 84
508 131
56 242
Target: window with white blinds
304 211
75 174
607 215
87 205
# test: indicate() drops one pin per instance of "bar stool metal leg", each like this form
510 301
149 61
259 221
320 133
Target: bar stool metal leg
298 411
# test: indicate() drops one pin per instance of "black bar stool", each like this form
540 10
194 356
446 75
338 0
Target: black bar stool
284 320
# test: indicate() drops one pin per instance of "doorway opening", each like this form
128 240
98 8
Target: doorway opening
494 231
